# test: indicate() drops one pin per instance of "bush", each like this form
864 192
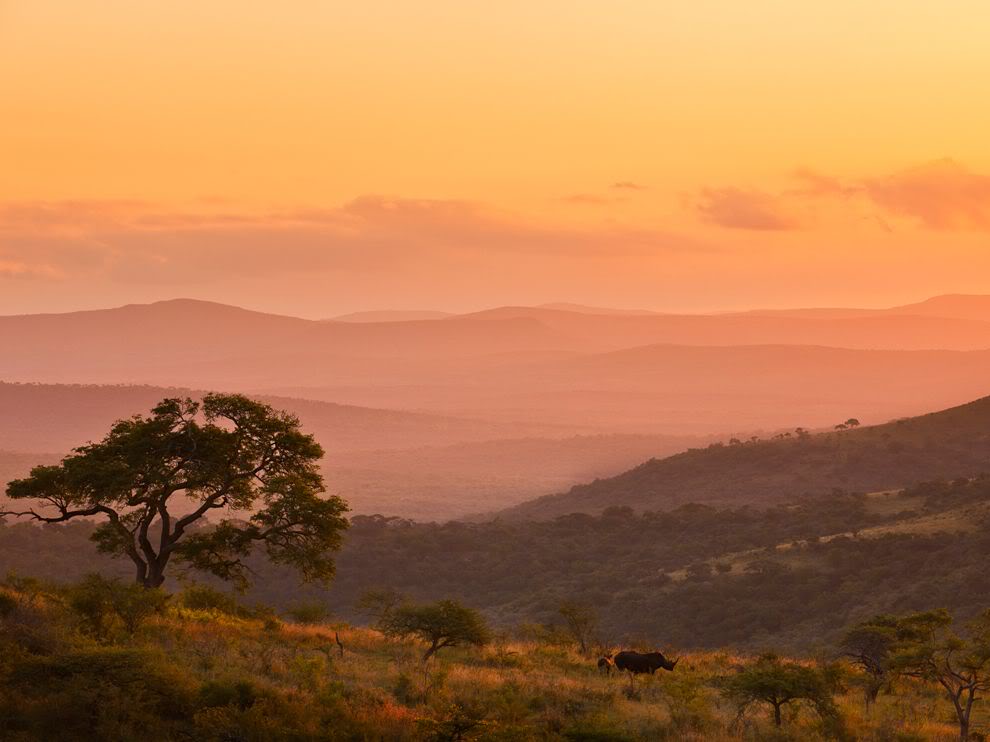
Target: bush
8 604
103 605
206 598
97 693
239 693
309 613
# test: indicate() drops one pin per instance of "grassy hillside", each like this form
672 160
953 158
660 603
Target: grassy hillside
946 444
455 481
221 673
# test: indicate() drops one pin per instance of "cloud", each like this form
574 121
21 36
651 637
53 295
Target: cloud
141 243
941 195
10 269
736 208
628 185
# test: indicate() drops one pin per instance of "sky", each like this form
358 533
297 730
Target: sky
319 157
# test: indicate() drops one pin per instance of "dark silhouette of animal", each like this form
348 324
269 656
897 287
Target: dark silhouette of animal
605 664
637 663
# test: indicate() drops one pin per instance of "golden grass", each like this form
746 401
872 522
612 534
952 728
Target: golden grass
516 690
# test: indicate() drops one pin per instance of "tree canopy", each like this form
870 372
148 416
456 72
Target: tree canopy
153 480
778 683
445 623
929 648
869 645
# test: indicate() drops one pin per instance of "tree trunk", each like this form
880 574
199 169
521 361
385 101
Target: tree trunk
776 715
963 714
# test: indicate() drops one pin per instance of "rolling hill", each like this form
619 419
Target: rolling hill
56 417
202 344
381 461
947 444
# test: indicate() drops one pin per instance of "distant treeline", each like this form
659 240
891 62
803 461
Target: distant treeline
694 577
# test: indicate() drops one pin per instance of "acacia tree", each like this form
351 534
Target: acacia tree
771 681
153 480
929 649
445 623
581 621
869 645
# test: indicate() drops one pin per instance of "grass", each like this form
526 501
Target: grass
908 519
207 675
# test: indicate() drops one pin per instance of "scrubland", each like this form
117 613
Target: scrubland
200 667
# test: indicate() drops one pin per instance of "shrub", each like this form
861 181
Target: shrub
309 613
454 722
206 598
239 693
96 693
102 604
8 604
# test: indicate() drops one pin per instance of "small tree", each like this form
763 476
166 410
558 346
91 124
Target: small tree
378 603
929 649
869 646
852 422
227 453
581 622
445 623
776 683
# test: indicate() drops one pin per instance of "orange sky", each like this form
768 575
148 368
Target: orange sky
319 157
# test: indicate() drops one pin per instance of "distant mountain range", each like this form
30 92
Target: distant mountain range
618 385
617 373
390 315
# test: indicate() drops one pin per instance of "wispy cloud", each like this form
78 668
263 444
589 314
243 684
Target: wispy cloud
142 243
941 195
628 185
736 208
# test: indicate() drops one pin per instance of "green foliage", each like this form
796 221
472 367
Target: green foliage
97 693
206 598
103 605
794 598
309 613
455 722
226 452
869 646
779 683
445 623
928 647
258 686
